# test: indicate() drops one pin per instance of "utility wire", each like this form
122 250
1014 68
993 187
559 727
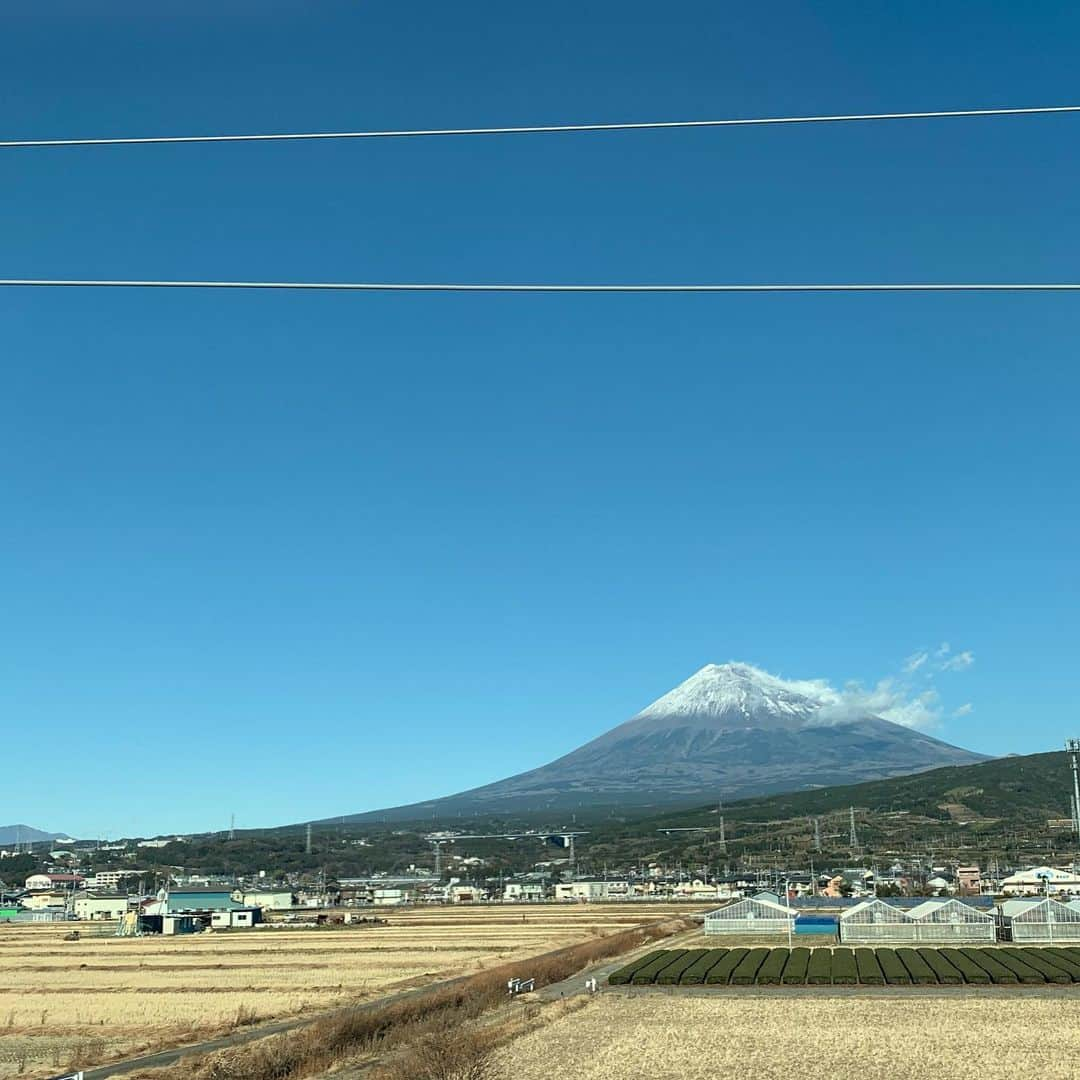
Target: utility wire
546 129
493 287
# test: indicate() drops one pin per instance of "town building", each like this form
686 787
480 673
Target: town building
1038 880
53 881
100 905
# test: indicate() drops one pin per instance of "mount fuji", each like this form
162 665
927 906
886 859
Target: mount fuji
730 730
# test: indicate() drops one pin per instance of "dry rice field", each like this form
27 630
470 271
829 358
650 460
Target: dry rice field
103 997
618 1038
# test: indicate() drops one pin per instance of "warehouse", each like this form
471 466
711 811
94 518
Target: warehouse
185 911
751 916
952 920
875 921
1039 922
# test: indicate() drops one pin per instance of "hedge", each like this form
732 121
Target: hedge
819 972
870 973
844 969
892 968
721 972
1061 958
1034 959
769 973
795 968
747 968
697 971
946 974
920 971
971 971
1023 971
622 976
646 975
988 961
671 974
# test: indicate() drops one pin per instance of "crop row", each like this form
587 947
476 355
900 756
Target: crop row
851 967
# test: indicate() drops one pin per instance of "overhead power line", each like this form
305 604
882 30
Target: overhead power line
542 129
500 287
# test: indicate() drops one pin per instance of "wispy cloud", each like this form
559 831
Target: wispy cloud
915 661
959 662
907 698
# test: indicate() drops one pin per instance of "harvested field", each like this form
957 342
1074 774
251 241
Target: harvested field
63 1003
619 1038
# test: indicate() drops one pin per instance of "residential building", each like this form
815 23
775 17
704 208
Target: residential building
100 905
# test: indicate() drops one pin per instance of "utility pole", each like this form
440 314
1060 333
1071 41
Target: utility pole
1072 746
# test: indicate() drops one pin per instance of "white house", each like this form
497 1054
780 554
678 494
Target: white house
97 905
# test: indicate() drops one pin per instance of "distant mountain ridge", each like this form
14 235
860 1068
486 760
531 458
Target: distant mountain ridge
25 834
731 730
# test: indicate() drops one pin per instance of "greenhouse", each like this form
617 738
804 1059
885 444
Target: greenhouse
952 920
1046 922
875 921
753 916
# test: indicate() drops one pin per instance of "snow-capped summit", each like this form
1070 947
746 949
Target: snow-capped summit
719 689
729 730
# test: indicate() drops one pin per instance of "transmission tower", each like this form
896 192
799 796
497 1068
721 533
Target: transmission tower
723 835
307 840
232 826
817 834
1072 746
854 835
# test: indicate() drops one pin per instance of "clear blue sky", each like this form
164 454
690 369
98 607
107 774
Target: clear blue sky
290 556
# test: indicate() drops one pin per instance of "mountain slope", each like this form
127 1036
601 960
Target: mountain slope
730 730
15 834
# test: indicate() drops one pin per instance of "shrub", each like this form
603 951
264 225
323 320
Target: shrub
844 970
1060 958
696 972
673 972
747 968
795 968
646 976
722 970
618 978
1023 971
870 973
946 974
988 961
893 968
773 967
1034 959
921 973
970 971
819 971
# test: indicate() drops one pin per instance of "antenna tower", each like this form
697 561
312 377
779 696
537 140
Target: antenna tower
1072 746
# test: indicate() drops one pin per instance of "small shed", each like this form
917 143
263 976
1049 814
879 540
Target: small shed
1040 922
876 921
750 916
952 920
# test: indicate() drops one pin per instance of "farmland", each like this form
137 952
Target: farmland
695 1038
102 997
861 966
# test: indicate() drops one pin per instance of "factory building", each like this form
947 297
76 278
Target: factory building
189 910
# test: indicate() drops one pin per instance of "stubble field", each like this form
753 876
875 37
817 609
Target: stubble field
616 1037
64 1003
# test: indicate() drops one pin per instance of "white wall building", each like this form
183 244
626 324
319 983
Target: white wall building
96 906
1036 880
